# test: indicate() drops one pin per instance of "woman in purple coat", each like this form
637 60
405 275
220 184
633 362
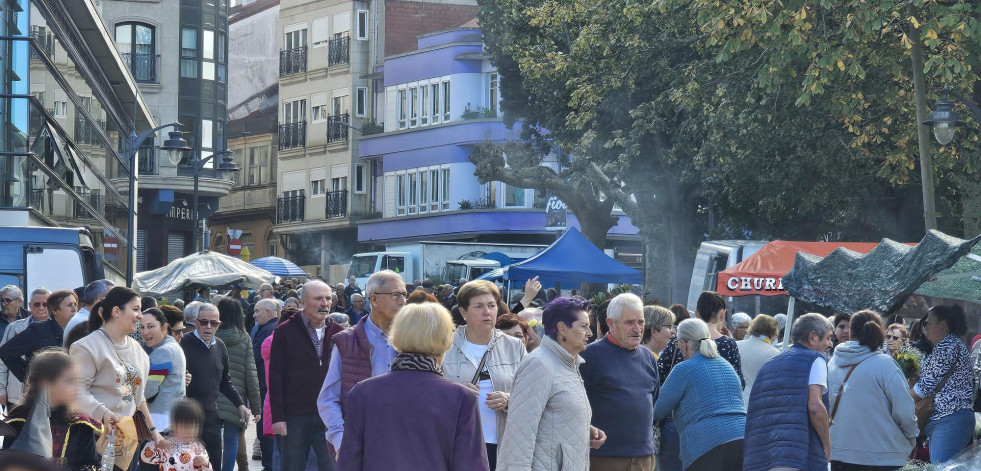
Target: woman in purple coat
412 418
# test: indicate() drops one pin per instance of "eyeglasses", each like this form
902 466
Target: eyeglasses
894 337
9 300
206 323
396 295
39 304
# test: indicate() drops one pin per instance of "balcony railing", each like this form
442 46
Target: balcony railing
143 66
94 199
337 128
293 135
87 133
339 51
292 61
290 208
336 204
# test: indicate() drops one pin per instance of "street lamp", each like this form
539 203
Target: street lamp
945 120
227 164
174 145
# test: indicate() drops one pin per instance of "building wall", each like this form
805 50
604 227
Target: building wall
406 20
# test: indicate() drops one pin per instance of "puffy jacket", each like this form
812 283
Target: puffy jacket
241 367
548 415
506 353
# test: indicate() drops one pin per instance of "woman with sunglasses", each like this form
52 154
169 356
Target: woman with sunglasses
896 337
165 384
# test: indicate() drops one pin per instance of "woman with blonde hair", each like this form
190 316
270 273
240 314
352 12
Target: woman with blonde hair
658 328
484 359
382 415
704 395
756 348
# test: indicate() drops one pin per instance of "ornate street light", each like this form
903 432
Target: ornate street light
945 120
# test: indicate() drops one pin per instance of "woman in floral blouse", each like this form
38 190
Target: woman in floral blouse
947 375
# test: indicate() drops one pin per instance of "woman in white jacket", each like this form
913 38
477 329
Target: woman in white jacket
873 418
548 416
756 349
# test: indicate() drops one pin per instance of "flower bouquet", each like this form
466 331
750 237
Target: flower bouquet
910 360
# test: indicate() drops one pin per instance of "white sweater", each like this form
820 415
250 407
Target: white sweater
753 353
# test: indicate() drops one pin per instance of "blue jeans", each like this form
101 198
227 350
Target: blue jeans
949 435
669 457
229 434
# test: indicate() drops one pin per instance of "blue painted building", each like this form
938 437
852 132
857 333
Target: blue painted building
437 102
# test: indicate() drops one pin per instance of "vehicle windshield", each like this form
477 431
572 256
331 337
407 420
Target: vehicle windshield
455 271
362 266
477 272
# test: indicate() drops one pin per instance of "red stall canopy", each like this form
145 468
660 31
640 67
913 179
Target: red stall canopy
763 271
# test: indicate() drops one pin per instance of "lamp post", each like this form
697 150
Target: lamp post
227 163
173 145
945 120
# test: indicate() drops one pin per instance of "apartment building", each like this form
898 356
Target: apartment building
67 102
248 212
438 100
328 53
177 52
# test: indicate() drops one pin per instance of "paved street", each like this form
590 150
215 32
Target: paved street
249 438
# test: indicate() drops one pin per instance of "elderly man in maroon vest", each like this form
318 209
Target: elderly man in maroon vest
298 361
361 351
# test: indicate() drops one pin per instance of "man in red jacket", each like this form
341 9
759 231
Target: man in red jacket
298 362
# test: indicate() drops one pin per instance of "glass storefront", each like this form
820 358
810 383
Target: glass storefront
59 144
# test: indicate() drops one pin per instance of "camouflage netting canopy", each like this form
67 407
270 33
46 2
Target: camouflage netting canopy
882 279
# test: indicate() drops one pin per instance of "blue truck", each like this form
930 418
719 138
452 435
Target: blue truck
52 257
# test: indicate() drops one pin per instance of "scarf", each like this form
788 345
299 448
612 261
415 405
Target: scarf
416 362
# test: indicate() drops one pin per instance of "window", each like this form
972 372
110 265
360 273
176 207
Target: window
413 106
494 98
189 53
295 111
135 42
446 101
222 47
338 184
208 53
434 96
361 102
60 109
362 32
272 249
207 134
220 135
340 104
423 191
424 104
318 108
295 38
359 178
258 165
400 193
319 35
394 263
411 189
434 190
514 197
318 188
446 189
402 111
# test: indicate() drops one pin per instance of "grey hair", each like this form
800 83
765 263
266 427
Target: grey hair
267 304
205 307
18 294
191 310
379 279
696 332
356 297
621 302
656 317
808 323
40 291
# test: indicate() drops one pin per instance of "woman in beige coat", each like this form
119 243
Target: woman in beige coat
548 415
479 342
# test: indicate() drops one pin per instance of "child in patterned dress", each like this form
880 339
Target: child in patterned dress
185 451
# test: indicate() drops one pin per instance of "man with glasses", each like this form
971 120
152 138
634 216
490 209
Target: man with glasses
11 388
266 320
209 369
299 360
11 299
361 352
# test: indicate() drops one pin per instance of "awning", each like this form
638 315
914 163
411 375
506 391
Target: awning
572 259
761 273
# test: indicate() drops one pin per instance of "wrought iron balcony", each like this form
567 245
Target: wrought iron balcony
148 160
336 204
293 135
292 61
339 51
337 128
290 208
143 66
94 199
87 133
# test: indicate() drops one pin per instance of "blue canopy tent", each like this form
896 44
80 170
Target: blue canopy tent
571 259
279 266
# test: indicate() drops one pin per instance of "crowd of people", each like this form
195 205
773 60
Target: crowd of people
437 377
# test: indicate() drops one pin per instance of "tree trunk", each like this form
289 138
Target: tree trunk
922 131
594 227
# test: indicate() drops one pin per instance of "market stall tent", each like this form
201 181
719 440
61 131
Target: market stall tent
572 259
762 273
204 268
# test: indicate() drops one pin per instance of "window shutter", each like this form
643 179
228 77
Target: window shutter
342 23
389 195
320 31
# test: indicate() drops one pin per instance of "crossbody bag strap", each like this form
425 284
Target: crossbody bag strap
841 389
483 361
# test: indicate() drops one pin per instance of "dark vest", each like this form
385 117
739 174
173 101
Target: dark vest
355 352
778 427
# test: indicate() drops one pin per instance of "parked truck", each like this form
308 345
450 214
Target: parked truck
713 257
446 261
51 257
